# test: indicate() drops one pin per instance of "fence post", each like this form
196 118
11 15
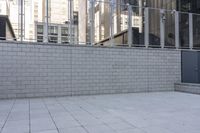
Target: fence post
191 30
146 26
46 27
177 34
21 22
162 28
130 31
111 22
71 21
92 17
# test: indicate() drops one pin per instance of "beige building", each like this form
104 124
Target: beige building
4 7
33 11
58 11
119 22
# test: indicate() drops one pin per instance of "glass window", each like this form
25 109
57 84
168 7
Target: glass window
64 31
53 30
53 39
40 29
39 38
65 40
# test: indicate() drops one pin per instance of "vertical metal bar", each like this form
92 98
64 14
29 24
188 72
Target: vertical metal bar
100 21
71 21
111 22
59 34
177 34
146 26
162 28
46 26
92 17
24 27
68 21
141 14
21 29
191 30
130 31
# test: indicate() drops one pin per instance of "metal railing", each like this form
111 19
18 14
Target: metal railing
112 24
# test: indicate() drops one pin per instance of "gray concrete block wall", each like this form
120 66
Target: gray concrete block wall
187 88
32 70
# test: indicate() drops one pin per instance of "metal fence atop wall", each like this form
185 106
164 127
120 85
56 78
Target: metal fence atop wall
105 23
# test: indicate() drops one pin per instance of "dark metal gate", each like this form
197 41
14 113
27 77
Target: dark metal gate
190 67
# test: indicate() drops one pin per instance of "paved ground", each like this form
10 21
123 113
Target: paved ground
168 112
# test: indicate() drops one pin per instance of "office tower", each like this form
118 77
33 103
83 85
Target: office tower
119 18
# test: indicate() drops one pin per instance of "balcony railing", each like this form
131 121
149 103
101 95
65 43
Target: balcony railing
109 24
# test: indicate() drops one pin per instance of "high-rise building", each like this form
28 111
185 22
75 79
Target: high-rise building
58 11
190 6
62 24
34 11
103 31
58 33
119 22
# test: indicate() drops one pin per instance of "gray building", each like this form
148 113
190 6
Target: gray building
58 33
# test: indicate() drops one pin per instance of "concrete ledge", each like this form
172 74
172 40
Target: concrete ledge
187 87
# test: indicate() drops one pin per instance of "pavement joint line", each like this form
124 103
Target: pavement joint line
29 116
117 117
105 124
50 115
8 116
72 116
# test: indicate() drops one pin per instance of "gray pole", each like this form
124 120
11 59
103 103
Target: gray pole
191 30
130 31
92 22
177 35
111 22
71 20
46 22
21 29
141 14
162 28
146 26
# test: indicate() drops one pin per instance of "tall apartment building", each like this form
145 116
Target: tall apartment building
34 13
59 22
58 33
58 11
120 18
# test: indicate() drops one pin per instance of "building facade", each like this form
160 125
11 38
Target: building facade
167 15
58 33
34 11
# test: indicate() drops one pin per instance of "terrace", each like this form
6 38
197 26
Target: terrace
161 112
82 74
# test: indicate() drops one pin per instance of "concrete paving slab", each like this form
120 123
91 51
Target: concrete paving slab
162 112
